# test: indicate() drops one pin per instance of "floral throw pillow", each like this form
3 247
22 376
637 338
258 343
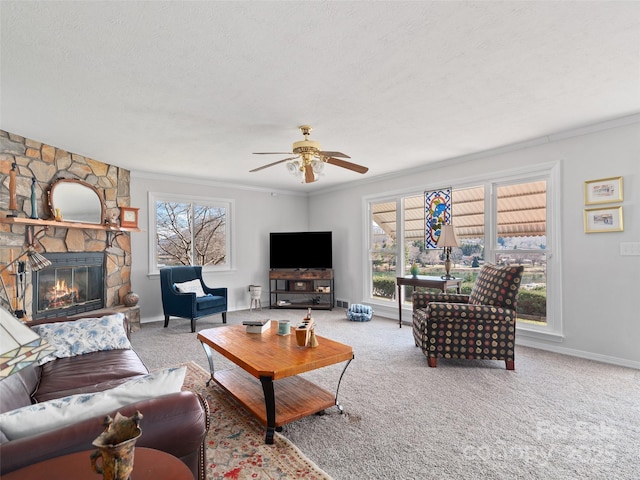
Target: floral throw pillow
85 335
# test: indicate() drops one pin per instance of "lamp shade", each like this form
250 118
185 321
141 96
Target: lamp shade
447 237
19 345
37 262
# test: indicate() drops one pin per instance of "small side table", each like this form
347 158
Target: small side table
255 291
426 282
148 464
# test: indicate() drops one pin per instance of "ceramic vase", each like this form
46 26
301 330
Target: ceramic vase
116 447
414 270
130 299
34 200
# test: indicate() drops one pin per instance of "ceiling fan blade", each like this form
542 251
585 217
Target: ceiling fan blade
273 153
309 177
272 164
344 164
334 154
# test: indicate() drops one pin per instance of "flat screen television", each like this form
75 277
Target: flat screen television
300 250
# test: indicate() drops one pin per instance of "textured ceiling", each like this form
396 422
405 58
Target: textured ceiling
193 88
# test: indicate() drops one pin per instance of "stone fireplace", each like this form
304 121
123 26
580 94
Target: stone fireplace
32 160
74 283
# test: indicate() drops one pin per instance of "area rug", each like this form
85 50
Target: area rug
235 442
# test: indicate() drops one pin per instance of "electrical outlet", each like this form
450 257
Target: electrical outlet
629 248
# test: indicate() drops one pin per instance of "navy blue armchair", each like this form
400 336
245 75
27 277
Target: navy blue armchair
201 301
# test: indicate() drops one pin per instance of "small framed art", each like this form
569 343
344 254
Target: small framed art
604 190
603 220
129 217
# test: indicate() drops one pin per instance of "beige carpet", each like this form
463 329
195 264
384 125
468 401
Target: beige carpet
235 442
554 418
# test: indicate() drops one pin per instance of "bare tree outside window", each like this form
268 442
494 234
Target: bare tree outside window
209 235
190 234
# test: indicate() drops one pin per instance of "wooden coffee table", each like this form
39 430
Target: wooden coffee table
281 396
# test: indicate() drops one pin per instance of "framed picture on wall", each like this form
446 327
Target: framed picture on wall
603 220
604 190
129 217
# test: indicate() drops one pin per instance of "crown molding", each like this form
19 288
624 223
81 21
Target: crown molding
211 183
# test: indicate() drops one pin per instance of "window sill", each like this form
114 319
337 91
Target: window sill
156 273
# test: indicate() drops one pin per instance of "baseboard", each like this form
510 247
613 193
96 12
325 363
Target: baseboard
528 342
622 362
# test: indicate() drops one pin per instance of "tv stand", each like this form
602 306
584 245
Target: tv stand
309 288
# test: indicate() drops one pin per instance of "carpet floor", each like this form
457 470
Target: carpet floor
235 442
554 417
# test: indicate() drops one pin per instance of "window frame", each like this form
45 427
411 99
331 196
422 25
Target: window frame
550 172
226 203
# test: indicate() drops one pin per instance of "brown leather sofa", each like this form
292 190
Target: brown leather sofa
175 423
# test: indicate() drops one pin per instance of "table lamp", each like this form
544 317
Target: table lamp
19 345
447 239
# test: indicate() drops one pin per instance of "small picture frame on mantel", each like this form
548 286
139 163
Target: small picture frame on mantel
129 217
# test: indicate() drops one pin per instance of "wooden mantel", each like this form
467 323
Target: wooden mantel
63 224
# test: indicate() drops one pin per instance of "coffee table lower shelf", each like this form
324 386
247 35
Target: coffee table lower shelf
297 397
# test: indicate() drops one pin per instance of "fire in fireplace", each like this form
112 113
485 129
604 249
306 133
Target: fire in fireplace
74 283
59 295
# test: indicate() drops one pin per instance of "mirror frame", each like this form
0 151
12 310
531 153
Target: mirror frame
61 181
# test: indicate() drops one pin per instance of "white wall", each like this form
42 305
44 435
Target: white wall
256 214
601 319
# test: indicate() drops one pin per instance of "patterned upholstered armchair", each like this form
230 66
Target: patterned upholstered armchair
477 326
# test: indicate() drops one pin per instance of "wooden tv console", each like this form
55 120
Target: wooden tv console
311 288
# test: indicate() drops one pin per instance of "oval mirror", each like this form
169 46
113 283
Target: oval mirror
77 201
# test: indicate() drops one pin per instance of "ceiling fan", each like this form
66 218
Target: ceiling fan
308 160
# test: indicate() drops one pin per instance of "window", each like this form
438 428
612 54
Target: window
189 231
383 250
521 239
498 221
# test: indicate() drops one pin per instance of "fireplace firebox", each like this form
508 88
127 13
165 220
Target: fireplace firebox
74 283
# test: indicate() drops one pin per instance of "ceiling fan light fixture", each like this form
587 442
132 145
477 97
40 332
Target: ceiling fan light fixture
317 165
309 159
294 168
